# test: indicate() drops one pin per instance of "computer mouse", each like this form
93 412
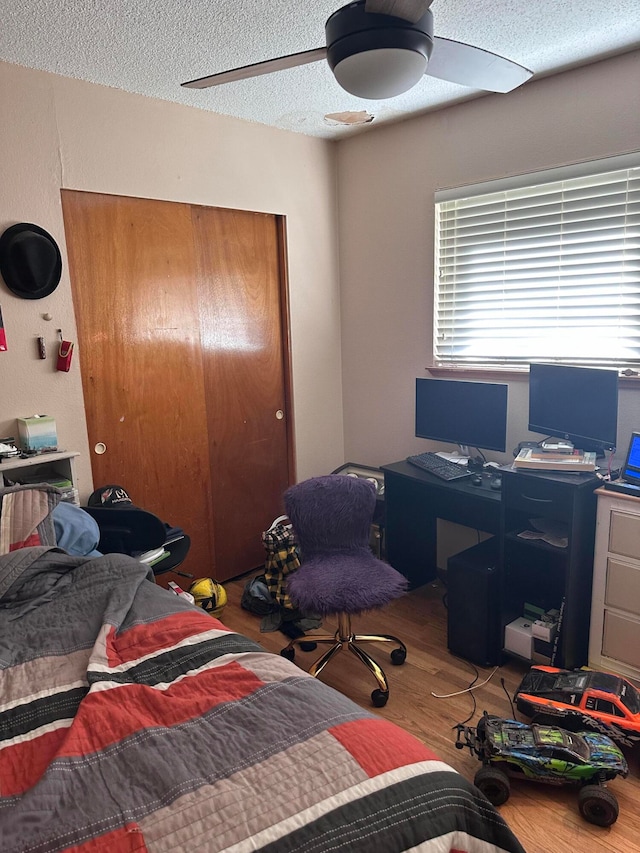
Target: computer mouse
476 479
495 482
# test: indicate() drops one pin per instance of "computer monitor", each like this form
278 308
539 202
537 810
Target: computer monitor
631 471
470 414
578 404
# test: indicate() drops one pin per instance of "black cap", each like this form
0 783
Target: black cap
110 496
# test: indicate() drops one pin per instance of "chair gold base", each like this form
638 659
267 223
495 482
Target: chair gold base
345 637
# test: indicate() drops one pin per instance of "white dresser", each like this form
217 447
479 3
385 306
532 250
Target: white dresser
614 638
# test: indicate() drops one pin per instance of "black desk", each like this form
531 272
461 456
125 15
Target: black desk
529 570
415 500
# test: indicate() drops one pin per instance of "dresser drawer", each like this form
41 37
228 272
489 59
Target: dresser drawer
624 534
621 639
536 497
622 589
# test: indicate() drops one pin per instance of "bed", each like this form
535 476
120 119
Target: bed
131 720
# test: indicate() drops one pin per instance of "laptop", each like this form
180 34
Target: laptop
629 482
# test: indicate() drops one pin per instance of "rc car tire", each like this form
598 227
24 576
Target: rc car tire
494 784
598 805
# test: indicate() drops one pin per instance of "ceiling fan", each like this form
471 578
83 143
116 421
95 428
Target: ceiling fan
381 48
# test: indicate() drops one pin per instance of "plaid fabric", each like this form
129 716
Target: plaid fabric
25 516
131 720
282 559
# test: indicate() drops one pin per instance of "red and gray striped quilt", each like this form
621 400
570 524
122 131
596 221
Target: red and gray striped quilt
132 721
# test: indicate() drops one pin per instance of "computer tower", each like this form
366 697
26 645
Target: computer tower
473 611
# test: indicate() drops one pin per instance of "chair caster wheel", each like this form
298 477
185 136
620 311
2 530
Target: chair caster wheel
308 647
398 657
379 698
288 653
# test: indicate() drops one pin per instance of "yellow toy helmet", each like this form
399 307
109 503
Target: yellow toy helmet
209 594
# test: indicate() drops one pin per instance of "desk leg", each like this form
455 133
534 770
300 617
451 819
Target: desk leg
410 530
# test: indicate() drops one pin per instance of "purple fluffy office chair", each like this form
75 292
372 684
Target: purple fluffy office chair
339 575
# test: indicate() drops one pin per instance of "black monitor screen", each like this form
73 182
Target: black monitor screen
579 404
631 470
471 414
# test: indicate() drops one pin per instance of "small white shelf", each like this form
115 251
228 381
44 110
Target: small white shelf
46 465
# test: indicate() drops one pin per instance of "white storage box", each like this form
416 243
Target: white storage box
518 637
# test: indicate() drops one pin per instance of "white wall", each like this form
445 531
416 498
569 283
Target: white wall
60 133
387 180
66 133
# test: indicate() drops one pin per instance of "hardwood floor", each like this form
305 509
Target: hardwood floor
545 818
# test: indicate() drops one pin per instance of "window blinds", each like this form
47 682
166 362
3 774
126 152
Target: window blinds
548 271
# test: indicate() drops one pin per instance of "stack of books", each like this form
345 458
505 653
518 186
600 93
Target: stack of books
544 460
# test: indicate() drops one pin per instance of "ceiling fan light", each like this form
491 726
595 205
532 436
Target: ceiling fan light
375 56
382 73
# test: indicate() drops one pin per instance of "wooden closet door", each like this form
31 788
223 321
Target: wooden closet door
155 334
135 296
244 377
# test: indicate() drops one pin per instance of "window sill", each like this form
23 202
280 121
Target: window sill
511 374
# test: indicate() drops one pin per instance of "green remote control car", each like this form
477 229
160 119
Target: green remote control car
508 749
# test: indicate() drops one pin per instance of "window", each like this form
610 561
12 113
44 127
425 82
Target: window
605 707
543 267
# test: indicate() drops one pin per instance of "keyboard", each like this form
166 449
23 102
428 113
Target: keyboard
438 466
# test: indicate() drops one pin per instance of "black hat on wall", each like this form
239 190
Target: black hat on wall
30 261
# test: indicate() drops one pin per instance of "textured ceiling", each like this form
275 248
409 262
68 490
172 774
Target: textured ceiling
151 47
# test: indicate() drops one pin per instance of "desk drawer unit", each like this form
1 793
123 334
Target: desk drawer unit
547 554
614 642
538 497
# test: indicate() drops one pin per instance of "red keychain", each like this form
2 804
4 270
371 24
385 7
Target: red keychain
65 351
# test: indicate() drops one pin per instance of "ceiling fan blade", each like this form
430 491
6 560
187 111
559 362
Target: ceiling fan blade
474 67
258 68
408 10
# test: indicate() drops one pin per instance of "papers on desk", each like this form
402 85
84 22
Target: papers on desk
549 531
453 457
